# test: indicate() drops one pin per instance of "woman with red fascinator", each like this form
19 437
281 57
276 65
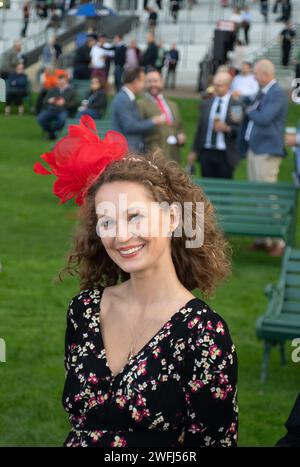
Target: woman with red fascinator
147 363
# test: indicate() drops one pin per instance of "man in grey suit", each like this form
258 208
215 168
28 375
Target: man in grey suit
216 135
124 111
264 135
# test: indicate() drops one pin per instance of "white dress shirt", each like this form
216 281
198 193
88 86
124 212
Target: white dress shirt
129 93
247 85
220 140
98 55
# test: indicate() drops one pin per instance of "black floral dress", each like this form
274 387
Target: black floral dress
179 390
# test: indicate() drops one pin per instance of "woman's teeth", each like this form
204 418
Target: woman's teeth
132 250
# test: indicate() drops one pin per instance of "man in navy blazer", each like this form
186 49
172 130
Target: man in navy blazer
264 134
124 111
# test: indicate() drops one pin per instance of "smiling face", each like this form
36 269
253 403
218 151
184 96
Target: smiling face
133 232
154 83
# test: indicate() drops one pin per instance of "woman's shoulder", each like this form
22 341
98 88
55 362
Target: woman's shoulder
84 300
206 321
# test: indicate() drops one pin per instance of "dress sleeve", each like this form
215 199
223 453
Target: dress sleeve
211 385
70 332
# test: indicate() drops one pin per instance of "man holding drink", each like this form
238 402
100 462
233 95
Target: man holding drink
215 140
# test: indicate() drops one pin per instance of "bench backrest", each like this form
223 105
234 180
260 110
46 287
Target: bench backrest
103 125
290 279
243 201
81 87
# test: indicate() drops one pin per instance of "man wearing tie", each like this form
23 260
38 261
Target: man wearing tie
215 140
264 136
169 137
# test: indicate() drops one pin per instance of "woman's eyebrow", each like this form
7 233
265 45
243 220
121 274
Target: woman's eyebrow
128 211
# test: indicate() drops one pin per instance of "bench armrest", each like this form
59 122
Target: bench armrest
269 290
275 294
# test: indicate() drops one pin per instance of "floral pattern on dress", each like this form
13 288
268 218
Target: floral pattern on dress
179 390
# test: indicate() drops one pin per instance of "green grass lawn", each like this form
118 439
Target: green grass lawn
35 235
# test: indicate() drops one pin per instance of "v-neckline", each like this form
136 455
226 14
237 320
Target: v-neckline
144 348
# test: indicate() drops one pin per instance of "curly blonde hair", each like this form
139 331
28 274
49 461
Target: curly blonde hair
202 267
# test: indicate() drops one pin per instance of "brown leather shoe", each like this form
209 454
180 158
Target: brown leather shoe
277 250
258 246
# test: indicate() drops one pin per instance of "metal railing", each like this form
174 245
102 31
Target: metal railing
272 49
38 38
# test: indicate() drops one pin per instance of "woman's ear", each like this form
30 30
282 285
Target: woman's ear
175 215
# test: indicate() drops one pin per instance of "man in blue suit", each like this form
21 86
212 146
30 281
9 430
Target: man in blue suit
264 134
124 111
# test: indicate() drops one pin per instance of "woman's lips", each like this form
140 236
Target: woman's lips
131 252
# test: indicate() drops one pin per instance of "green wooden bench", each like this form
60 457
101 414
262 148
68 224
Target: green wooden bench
103 125
281 321
258 209
82 87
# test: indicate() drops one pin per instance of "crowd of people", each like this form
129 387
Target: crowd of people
93 60
243 113
95 56
52 11
242 19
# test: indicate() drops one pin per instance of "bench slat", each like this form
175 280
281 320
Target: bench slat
284 320
292 293
291 307
241 183
295 254
240 218
293 266
254 229
293 279
263 211
210 191
251 200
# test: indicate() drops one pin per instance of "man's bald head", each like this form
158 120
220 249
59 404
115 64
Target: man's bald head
221 82
264 72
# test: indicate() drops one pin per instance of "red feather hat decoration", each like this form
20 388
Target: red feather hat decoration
79 158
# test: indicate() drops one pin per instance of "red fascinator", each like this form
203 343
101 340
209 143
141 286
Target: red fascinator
79 158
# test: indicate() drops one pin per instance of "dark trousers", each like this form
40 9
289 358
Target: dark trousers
39 100
52 121
214 163
25 26
171 76
276 4
81 71
118 77
286 49
100 73
246 27
15 97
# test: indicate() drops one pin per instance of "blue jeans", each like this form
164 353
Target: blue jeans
52 121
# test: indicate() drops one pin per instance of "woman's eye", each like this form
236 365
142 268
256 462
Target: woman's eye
136 217
106 224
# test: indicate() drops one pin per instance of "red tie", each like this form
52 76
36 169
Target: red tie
163 109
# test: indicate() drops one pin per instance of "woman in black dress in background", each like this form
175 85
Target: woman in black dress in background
147 363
